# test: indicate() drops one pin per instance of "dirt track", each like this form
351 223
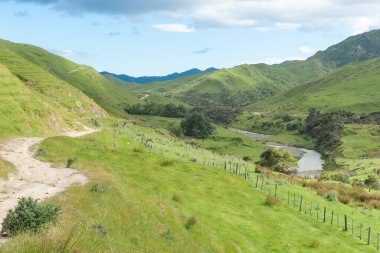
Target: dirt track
33 178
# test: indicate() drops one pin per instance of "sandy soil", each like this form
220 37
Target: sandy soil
33 178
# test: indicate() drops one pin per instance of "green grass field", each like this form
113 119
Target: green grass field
148 200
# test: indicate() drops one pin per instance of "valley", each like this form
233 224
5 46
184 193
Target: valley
197 161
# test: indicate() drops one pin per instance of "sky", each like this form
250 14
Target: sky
158 37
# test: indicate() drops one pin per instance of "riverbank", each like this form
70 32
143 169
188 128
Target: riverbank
310 162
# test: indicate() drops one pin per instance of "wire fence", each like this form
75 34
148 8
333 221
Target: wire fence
265 185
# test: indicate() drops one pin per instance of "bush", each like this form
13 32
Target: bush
279 160
70 162
272 201
191 221
29 215
99 188
176 197
344 199
98 227
196 125
314 243
167 162
331 195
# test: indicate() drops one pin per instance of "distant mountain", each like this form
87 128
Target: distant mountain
356 48
151 79
249 84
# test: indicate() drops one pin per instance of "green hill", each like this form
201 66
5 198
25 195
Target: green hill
88 80
248 84
142 202
355 88
240 85
35 102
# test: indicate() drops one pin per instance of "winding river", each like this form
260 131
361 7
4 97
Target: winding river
309 163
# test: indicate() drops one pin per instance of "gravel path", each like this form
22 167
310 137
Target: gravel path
33 178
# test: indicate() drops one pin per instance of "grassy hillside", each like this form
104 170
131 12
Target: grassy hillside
165 203
37 103
249 84
240 85
356 48
84 78
355 88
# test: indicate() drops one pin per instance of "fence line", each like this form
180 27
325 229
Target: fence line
244 170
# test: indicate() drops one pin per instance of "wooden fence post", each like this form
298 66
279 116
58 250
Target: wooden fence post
332 217
345 223
257 180
275 191
225 165
378 239
369 236
324 214
262 183
301 203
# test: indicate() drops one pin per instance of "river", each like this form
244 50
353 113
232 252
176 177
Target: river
309 161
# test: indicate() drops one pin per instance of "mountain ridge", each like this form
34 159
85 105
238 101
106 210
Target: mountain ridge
150 79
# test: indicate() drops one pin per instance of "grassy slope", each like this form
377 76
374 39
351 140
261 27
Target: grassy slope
88 80
355 88
236 86
223 141
139 214
39 105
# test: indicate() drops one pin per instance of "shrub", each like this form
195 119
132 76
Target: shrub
191 221
138 149
331 195
99 188
196 125
100 229
345 199
29 215
41 152
371 182
70 162
314 243
167 162
272 201
278 160
176 197
168 235
341 177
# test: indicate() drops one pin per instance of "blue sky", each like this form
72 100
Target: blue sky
151 37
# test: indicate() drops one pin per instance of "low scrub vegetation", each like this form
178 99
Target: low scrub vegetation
278 160
165 110
272 201
29 215
196 125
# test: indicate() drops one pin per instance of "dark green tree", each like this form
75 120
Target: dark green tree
196 125
278 160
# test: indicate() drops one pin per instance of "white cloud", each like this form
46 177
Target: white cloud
305 49
309 15
363 24
179 28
